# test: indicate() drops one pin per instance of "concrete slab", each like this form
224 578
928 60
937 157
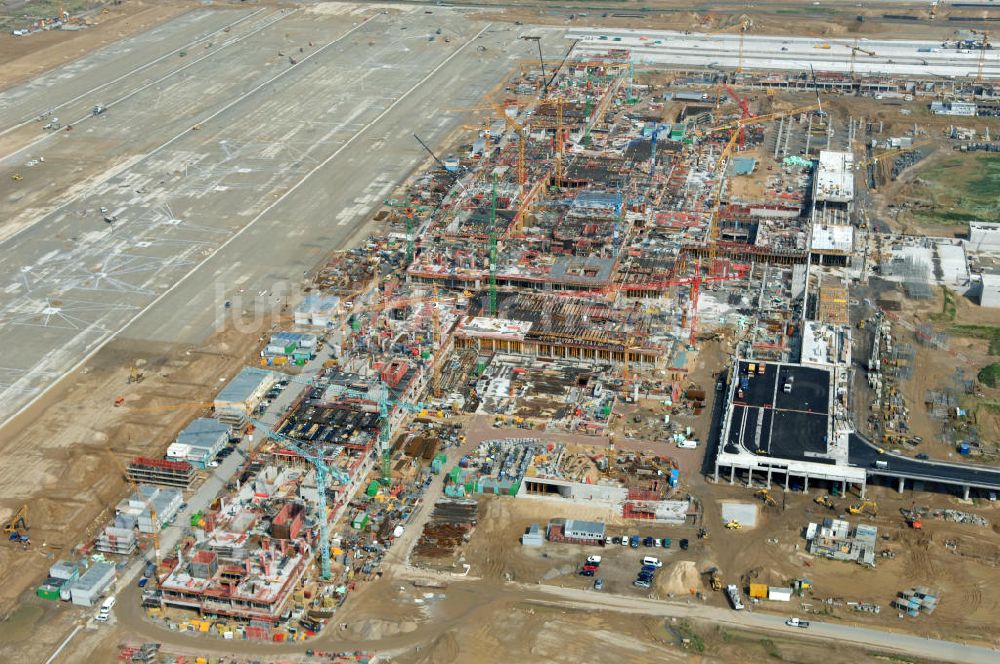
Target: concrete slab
745 513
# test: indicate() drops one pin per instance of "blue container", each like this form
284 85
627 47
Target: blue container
964 449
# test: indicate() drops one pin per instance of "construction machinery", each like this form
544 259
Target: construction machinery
984 46
855 49
715 578
765 495
134 375
825 501
18 522
869 505
314 457
745 25
702 533
734 525
16 177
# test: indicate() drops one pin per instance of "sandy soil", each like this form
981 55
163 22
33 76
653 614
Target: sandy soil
60 456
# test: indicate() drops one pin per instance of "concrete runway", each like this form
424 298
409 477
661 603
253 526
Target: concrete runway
285 166
764 52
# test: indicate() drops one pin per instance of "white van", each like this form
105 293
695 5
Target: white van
687 444
105 612
651 560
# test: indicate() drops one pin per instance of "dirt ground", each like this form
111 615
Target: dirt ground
60 457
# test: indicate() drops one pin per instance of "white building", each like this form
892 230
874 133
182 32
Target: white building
317 310
990 294
984 235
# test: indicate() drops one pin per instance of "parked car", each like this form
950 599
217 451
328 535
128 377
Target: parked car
614 540
923 457
648 569
666 542
651 560
586 572
594 560
640 584
634 541
143 581
684 545
648 541
598 584
625 540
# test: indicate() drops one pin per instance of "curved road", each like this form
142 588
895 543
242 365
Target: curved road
463 593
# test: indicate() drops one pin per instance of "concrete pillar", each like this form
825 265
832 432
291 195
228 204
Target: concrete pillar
732 475
902 485
965 495
843 487
749 477
768 477
716 472
805 484
863 485
787 477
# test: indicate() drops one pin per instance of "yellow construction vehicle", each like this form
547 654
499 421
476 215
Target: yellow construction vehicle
18 521
134 375
715 578
765 495
825 501
734 525
870 505
16 177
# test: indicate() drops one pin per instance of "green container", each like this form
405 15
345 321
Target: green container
470 487
514 488
48 592
195 519
426 354
301 362
480 367
372 490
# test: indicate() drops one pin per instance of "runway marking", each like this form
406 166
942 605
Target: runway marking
101 343
235 40
133 71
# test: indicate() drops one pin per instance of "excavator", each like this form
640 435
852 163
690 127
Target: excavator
18 522
734 525
870 505
825 501
765 495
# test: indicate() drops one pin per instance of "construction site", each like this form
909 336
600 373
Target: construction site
418 316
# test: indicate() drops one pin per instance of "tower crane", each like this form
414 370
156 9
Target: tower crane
314 457
522 138
982 53
745 25
855 49
493 248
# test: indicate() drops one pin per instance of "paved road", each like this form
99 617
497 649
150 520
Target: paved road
864 454
899 57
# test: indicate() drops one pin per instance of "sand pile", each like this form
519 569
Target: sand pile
681 579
